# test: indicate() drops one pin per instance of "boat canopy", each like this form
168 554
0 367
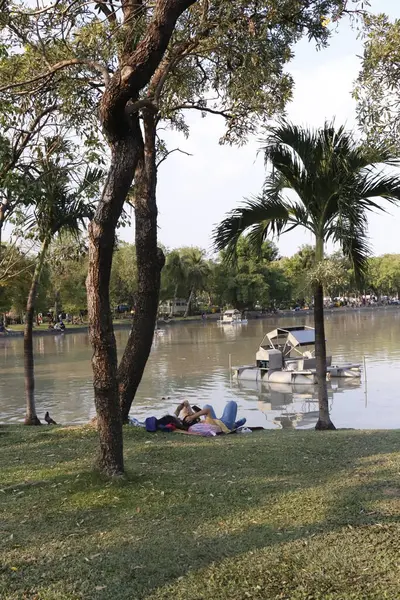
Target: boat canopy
230 313
288 338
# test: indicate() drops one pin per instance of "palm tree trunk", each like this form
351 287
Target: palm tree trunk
174 300
150 261
56 305
189 302
31 417
324 421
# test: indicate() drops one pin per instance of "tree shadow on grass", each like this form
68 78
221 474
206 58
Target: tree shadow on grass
189 505
134 568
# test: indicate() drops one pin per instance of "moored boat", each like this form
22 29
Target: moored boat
232 317
287 355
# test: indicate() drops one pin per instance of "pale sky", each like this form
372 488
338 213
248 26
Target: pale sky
195 192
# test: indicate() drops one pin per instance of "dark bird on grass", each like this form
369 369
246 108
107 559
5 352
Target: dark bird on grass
48 419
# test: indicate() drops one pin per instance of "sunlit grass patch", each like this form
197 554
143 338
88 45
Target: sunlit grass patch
294 515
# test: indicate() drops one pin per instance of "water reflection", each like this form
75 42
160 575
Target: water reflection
293 406
191 361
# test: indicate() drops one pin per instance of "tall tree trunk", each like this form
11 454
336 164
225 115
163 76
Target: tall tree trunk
120 120
150 260
2 217
324 421
31 417
3 210
189 302
57 305
101 332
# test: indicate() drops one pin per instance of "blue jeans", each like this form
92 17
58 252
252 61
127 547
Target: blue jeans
228 416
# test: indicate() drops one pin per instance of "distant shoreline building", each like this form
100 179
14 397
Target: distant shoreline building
173 307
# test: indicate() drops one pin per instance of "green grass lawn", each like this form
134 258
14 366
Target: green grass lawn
271 515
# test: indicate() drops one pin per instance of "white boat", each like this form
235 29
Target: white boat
287 355
232 317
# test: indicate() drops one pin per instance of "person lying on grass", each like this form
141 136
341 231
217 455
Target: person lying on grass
210 425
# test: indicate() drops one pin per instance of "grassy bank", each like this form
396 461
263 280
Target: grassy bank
44 327
70 328
118 323
274 515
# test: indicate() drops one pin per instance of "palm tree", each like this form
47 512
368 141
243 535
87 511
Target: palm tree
197 271
60 206
324 181
67 251
175 272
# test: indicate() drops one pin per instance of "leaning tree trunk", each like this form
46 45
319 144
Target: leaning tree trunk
120 120
101 332
324 421
189 302
31 417
150 260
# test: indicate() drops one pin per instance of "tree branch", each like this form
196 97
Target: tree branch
35 13
108 11
213 111
131 9
134 107
20 146
165 67
58 67
138 67
171 152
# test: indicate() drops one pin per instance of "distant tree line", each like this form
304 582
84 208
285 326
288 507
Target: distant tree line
264 281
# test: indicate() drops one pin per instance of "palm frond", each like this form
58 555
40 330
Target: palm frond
334 181
92 177
72 215
299 215
378 185
258 216
355 246
299 141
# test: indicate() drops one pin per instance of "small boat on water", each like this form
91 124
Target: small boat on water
158 331
232 317
287 355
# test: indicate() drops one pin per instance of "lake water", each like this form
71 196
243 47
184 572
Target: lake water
191 361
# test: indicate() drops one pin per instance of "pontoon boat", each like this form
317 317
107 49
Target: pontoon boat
287 355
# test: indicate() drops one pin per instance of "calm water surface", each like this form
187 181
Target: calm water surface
191 361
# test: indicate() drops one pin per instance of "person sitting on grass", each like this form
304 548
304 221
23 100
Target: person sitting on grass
211 425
